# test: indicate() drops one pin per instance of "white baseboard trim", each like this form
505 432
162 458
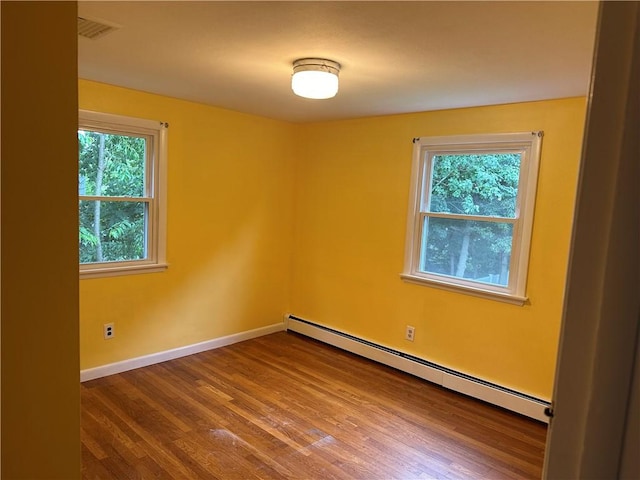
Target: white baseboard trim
456 381
146 360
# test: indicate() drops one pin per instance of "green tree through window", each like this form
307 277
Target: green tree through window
474 185
111 166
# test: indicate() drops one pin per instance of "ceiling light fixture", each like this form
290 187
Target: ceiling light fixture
315 78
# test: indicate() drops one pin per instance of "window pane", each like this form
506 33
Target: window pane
112 231
477 251
485 184
111 165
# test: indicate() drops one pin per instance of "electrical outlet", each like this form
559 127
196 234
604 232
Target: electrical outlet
108 330
410 333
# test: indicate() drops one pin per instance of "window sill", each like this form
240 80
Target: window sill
101 272
476 292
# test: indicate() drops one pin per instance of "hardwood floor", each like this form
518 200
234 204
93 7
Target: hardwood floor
284 406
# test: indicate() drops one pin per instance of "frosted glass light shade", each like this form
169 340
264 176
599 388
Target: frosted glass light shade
315 78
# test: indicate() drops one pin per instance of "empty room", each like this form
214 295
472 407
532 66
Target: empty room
373 275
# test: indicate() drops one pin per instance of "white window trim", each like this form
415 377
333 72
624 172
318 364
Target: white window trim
157 230
424 149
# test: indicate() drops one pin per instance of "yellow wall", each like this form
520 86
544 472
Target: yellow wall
267 217
40 378
230 207
351 206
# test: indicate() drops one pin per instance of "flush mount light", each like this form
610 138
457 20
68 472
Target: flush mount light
315 78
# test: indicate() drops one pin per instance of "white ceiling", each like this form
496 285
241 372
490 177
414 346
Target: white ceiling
396 57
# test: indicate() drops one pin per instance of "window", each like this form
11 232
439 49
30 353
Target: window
471 213
121 186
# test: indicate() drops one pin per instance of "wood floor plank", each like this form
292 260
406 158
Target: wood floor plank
287 407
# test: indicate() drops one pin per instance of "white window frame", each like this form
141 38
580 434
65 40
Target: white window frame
528 145
155 191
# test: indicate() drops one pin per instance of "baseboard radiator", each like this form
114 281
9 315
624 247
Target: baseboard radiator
459 382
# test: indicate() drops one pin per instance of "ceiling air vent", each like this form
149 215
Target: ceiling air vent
94 29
